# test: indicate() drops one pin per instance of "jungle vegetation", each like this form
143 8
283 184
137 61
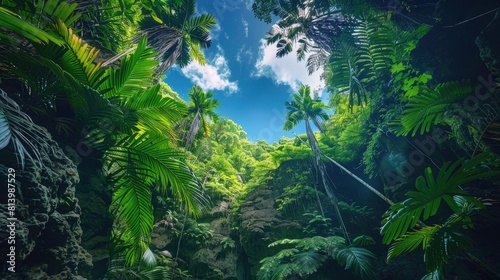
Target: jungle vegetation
400 129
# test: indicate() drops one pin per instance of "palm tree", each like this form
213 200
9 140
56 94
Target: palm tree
312 25
201 106
305 108
176 34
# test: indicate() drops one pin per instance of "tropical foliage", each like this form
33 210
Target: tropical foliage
308 254
137 144
439 242
84 75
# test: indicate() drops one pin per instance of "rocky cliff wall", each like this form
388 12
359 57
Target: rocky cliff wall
47 230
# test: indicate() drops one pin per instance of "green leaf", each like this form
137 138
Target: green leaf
12 22
28 139
360 260
430 191
426 109
5 134
308 262
411 241
135 74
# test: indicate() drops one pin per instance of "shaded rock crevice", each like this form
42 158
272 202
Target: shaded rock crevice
48 231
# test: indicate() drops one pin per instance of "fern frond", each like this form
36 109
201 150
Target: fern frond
308 262
363 241
374 46
359 260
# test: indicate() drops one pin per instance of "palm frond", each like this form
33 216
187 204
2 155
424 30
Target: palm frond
426 108
343 74
162 166
445 242
411 241
156 112
135 74
77 58
27 138
11 21
196 54
140 163
132 207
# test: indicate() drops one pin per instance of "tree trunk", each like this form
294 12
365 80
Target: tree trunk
313 143
375 191
193 129
379 194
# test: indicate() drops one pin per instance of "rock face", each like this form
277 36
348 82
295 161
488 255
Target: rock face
261 223
48 232
218 258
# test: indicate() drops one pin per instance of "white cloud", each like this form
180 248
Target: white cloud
245 25
244 54
285 70
212 76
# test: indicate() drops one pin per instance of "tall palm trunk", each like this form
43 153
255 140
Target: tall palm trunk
193 129
313 143
372 189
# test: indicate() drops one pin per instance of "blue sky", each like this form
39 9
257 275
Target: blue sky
250 83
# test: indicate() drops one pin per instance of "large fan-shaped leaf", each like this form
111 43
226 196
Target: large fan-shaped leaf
426 200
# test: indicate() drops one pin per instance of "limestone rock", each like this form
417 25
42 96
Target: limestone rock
48 231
